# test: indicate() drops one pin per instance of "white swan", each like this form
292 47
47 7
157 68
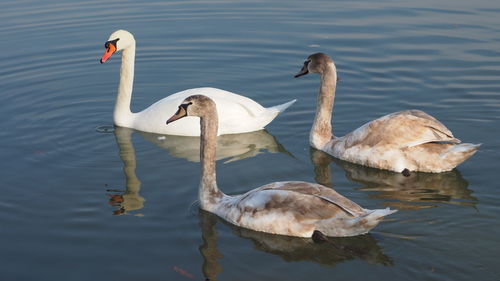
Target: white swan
291 208
403 141
240 115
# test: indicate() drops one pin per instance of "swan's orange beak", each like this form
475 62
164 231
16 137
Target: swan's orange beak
181 112
110 50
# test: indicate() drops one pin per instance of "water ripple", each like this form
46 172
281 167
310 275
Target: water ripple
61 173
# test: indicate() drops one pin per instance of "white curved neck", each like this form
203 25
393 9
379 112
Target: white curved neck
321 131
122 115
209 193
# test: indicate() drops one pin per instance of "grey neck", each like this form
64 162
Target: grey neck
209 193
322 131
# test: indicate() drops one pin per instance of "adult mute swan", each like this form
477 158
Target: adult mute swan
403 141
292 208
239 114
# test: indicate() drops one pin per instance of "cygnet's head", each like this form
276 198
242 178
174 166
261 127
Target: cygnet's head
195 105
316 63
118 40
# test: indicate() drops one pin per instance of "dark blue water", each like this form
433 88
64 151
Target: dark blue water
83 201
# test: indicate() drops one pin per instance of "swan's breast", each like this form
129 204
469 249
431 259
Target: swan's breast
384 156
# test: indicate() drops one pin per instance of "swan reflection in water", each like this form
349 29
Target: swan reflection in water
129 200
229 147
416 191
328 252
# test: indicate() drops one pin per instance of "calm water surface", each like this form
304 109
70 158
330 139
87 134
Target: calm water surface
83 201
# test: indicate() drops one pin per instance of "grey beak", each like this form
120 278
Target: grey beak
304 70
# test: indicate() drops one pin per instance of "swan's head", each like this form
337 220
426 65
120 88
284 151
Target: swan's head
316 63
195 105
118 40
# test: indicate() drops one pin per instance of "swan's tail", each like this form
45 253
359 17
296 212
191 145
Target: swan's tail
271 112
281 107
354 226
459 153
377 215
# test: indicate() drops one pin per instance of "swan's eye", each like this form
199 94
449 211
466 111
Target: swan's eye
185 105
106 45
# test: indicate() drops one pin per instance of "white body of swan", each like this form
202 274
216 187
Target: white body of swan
403 141
292 208
240 115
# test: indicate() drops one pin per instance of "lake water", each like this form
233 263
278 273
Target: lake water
83 201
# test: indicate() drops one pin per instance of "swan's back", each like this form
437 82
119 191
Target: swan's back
225 97
400 129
